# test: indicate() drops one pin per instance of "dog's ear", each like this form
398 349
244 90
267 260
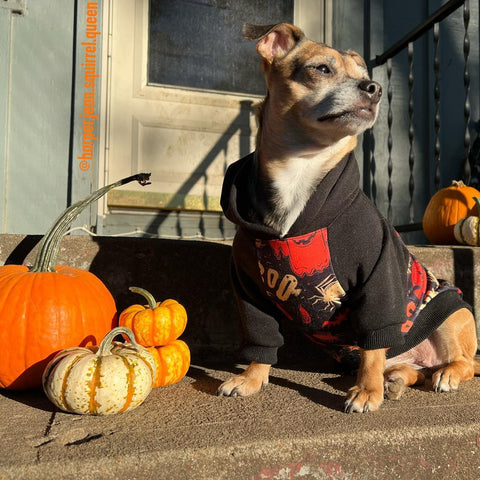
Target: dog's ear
273 41
356 56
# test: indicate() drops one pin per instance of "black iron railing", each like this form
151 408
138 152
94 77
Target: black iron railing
431 24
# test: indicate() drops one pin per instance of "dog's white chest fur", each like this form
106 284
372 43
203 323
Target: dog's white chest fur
293 183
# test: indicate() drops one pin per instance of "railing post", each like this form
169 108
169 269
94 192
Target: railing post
368 135
411 131
436 96
467 171
389 138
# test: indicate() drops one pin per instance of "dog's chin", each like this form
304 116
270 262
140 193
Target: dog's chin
351 122
363 114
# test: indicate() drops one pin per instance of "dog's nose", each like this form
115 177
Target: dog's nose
372 89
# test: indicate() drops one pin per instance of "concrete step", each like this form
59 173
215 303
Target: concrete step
197 275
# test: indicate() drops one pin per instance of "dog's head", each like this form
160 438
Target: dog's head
327 91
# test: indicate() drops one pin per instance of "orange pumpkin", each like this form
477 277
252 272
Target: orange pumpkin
172 362
445 209
48 308
154 324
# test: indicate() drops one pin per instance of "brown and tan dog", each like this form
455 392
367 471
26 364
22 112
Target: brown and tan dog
318 101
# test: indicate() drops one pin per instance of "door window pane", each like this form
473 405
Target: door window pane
199 43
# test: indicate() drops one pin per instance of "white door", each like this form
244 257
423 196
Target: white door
180 89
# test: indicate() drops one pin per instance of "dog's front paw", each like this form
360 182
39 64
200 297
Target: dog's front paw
362 400
251 381
241 386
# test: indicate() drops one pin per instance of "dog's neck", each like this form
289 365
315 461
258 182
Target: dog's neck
289 169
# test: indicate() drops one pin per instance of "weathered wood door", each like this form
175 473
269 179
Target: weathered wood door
181 90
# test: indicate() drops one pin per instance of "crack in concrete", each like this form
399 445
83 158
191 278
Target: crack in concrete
46 433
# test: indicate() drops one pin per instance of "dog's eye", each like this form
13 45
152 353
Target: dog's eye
323 69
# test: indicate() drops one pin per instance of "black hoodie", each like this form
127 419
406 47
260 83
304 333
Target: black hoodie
342 273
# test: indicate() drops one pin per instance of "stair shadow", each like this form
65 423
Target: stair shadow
207 383
31 398
332 401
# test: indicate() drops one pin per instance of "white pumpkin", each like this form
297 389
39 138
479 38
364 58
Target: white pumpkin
114 378
466 230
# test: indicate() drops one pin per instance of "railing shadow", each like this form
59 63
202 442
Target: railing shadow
239 126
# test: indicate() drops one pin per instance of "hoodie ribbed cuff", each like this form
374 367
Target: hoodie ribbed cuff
259 354
383 338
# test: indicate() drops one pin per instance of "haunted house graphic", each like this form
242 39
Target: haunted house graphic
299 279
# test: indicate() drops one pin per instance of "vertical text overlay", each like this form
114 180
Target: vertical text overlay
90 77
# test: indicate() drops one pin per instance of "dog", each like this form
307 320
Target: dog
312 249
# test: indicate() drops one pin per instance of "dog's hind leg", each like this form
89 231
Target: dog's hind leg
456 343
398 378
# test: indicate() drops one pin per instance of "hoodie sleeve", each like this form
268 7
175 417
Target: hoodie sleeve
378 305
261 329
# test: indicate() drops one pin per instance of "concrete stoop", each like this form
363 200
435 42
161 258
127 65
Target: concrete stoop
294 429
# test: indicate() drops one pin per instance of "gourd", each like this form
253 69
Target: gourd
466 230
155 324
445 209
172 362
114 378
47 308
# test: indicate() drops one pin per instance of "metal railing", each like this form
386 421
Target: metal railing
430 24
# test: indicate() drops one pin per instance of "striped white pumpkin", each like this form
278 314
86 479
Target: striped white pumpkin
466 231
115 378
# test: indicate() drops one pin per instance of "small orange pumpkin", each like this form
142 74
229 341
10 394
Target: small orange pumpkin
172 362
445 209
155 324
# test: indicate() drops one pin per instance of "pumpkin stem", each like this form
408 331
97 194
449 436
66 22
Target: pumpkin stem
458 183
47 255
477 201
106 344
152 303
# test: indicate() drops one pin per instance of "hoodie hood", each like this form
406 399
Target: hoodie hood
334 193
